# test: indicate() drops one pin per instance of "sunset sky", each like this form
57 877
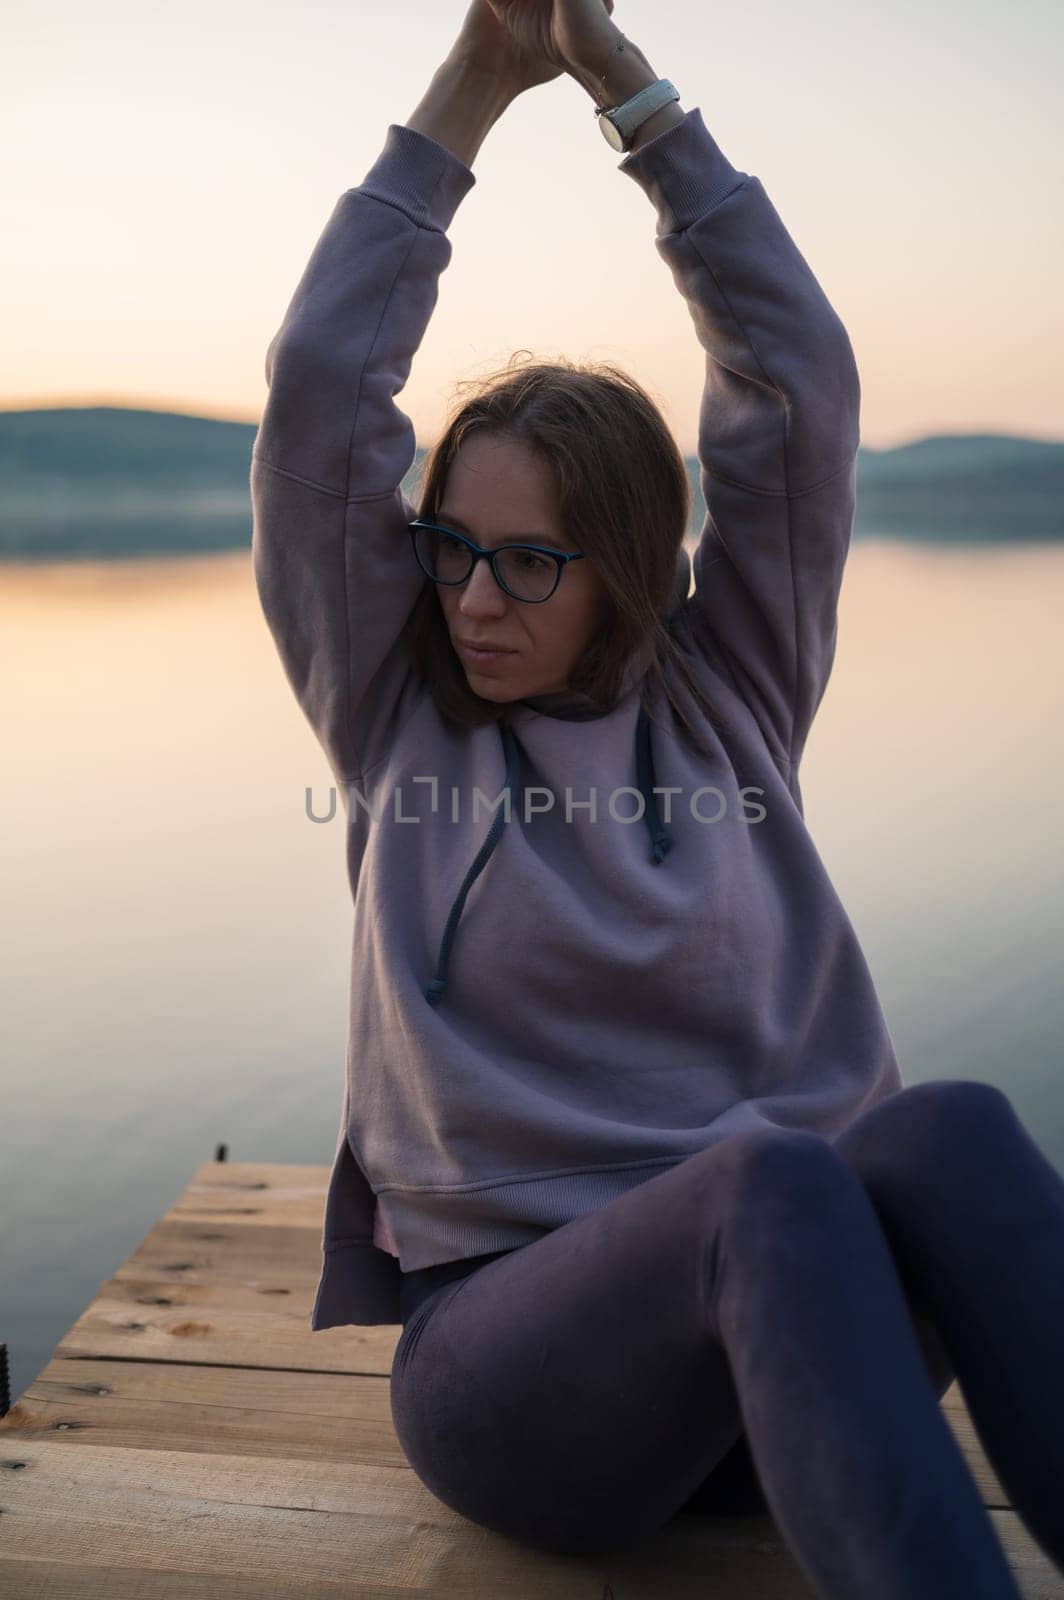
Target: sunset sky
170 168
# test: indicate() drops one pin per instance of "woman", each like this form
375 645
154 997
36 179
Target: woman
624 1143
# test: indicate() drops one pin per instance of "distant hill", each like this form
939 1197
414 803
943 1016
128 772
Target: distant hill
111 481
963 488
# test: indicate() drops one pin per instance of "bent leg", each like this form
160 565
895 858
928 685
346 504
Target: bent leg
975 1217
569 1394
859 1466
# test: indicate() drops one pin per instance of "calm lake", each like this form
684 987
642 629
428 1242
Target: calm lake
177 953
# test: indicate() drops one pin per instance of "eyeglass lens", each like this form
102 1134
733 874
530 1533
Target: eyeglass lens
528 576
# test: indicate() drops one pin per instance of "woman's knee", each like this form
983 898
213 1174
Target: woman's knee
772 1175
786 1175
928 1135
768 1157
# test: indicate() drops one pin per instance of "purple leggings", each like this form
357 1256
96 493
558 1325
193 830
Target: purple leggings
769 1324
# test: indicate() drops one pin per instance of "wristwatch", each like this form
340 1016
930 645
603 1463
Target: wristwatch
620 124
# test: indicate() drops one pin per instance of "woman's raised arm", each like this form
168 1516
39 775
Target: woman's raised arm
777 436
461 105
332 560
779 420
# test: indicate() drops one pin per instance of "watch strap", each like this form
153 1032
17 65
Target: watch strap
619 124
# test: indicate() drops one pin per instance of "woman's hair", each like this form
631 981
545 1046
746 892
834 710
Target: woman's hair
623 496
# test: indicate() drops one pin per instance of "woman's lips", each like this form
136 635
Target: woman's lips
482 657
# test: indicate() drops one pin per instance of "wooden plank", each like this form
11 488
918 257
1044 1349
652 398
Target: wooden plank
991 1490
183 1524
258 1320
253 1194
259 1410
228 1274
143 1405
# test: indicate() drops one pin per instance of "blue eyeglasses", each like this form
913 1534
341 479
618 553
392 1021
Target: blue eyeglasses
526 572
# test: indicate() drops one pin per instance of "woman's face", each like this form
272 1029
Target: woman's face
497 492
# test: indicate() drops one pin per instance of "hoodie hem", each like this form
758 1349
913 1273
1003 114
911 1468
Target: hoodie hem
451 1223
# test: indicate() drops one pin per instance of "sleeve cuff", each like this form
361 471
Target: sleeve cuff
683 171
420 176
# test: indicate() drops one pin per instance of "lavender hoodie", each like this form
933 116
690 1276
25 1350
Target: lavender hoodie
623 952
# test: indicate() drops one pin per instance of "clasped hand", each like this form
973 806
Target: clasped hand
527 42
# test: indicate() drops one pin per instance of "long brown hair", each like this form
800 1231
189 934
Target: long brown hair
619 478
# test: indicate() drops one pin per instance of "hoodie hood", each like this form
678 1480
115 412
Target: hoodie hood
578 708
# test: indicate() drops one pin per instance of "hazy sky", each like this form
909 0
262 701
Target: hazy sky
169 169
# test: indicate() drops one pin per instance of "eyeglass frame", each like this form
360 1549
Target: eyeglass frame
480 553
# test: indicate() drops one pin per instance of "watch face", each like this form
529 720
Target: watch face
614 137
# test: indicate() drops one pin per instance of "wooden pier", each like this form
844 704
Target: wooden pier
192 1438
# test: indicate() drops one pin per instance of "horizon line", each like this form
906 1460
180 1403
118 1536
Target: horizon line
160 408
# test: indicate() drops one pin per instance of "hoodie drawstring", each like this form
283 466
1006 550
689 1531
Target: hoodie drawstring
644 764
434 992
661 842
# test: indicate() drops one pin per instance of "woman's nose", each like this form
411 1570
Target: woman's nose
481 592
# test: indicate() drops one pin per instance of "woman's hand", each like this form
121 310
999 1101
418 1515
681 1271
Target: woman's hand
569 33
527 42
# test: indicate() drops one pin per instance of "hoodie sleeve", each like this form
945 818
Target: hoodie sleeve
778 430
332 560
